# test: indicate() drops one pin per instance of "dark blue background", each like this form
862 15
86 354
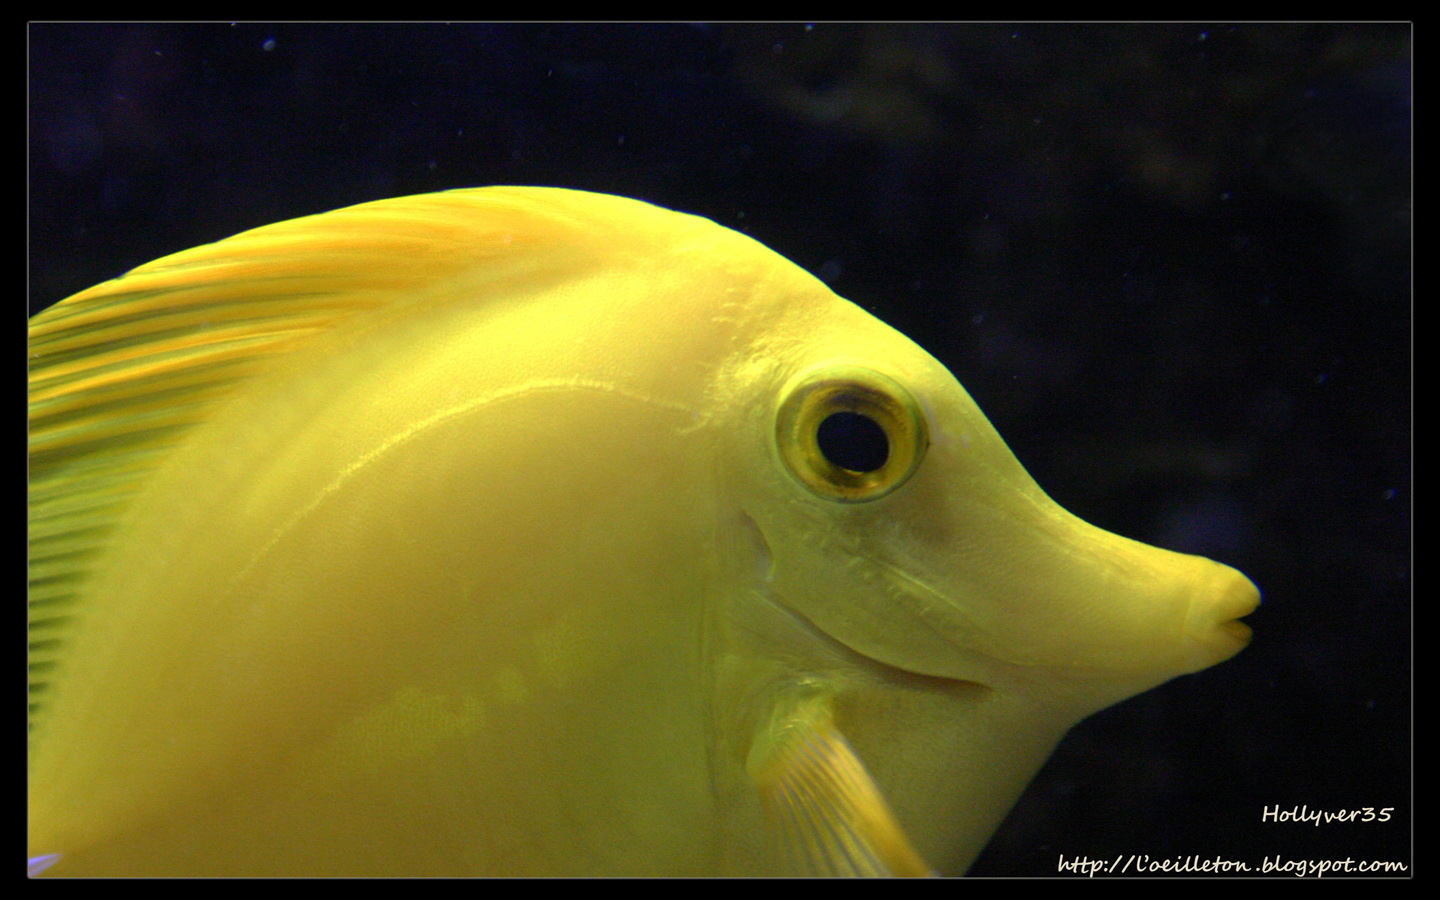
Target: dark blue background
1171 262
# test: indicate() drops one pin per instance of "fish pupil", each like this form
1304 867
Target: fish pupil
853 441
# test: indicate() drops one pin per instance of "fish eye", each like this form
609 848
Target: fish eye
849 433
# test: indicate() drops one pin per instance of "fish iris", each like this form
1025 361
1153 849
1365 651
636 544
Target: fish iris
849 433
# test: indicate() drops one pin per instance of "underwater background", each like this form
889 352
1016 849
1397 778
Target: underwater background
1170 262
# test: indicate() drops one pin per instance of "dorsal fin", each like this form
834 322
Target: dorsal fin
120 373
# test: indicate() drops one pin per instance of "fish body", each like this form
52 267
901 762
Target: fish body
524 531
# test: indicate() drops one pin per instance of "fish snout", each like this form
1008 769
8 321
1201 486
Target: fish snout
1129 616
1154 616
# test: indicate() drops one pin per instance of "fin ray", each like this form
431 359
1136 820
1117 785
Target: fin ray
830 810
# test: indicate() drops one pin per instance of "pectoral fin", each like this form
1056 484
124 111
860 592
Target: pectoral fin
830 811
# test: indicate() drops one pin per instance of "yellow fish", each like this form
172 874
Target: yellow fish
522 531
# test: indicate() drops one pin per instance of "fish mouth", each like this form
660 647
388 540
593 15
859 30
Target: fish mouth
1213 622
